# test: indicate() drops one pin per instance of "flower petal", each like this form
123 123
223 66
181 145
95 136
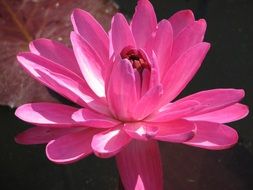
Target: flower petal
225 115
60 116
176 131
140 167
174 111
55 52
145 82
72 147
121 35
180 20
109 143
182 71
89 63
143 22
42 135
121 92
189 37
148 103
141 130
47 114
154 72
162 50
91 31
90 118
215 99
213 136
59 79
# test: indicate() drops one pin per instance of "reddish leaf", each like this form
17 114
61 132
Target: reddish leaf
24 20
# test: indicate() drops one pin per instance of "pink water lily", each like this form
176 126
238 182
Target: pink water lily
125 83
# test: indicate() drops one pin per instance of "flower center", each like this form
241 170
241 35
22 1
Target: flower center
136 57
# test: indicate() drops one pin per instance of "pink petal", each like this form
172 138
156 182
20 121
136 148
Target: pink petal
89 63
174 111
141 130
182 71
148 103
121 92
90 118
107 70
121 35
72 147
155 72
85 25
59 115
41 135
173 131
188 38
213 136
109 143
143 22
225 115
176 131
58 79
180 20
138 83
56 52
145 81
212 100
47 114
140 167
162 50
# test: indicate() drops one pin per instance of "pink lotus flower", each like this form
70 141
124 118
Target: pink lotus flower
126 83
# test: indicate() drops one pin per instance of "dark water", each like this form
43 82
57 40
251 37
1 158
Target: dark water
228 64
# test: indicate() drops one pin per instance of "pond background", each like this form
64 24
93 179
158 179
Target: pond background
227 65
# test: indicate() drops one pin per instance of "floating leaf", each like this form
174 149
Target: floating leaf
24 20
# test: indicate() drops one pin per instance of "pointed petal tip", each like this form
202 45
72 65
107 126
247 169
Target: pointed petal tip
73 35
164 21
241 92
20 55
180 20
246 108
39 40
203 45
185 15
76 12
18 139
19 110
207 46
236 91
26 138
118 15
23 56
202 26
145 2
202 22
187 12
